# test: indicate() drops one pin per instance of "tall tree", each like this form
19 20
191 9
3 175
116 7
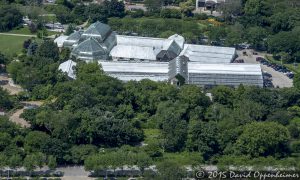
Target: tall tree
10 17
48 49
263 139
153 5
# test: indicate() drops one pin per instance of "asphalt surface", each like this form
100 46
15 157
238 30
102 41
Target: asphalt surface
74 173
278 79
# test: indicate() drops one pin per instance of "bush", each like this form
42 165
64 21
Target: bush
170 13
136 14
295 147
32 28
201 16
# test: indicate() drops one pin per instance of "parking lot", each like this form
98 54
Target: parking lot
275 74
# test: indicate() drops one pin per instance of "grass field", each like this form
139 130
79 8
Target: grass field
25 30
10 45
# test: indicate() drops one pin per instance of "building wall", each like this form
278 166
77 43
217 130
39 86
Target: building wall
209 79
158 77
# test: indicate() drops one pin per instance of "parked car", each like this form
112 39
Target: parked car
266 74
239 61
259 59
255 53
290 75
3 82
268 83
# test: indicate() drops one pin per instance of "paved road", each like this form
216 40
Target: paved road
278 79
74 173
24 35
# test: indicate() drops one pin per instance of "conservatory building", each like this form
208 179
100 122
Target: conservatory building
99 42
205 75
158 59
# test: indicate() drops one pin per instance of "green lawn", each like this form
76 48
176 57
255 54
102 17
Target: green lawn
25 30
11 45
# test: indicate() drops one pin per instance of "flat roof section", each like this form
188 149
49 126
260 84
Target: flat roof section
134 67
208 54
233 68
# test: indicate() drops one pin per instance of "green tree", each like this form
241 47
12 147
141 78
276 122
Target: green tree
80 153
10 17
48 49
222 95
204 138
70 29
153 5
193 96
231 8
253 7
256 36
96 13
114 8
3 59
29 162
15 161
235 35
166 34
142 160
284 21
173 125
169 170
263 139
52 162
216 33
284 42
4 140
35 141
296 81
5 100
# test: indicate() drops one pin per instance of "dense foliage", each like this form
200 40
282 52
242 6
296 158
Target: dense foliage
96 111
10 18
101 122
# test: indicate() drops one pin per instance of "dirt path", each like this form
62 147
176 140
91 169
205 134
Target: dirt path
15 117
10 87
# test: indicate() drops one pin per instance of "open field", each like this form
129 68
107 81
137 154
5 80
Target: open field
10 45
25 30
11 42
